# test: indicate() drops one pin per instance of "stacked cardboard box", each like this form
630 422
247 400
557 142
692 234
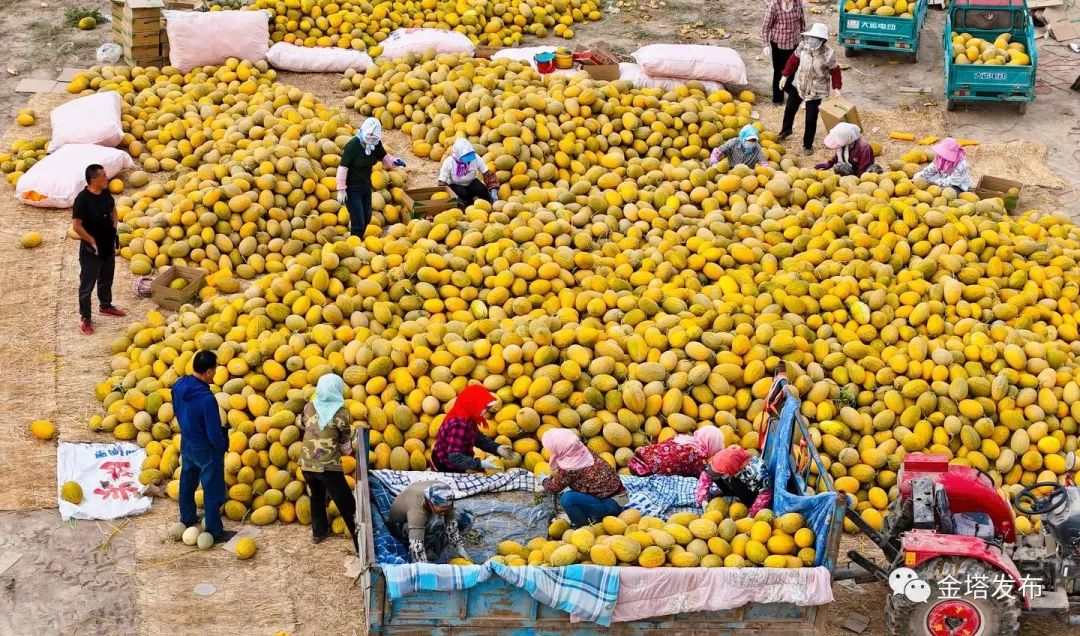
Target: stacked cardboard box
139 28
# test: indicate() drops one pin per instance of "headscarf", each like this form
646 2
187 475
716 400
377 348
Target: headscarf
947 153
567 450
708 440
329 398
439 495
461 149
370 134
471 403
729 461
747 133
840 139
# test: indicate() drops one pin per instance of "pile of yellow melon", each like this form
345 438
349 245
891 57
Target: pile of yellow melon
723 536
968 49
898 8
253 163
21 156
537 130
365 26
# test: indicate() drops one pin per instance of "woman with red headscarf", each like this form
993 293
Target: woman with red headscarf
460 433
683 455
591 483
950 167
734 472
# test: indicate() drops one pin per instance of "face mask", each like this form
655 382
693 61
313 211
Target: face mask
813 44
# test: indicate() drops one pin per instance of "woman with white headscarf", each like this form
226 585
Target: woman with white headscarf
815 70
461 170
854 155
354 173
327 427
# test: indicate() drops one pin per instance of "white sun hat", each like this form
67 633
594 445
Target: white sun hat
818 30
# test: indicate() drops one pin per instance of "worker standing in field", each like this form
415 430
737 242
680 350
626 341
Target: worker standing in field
781 26
327 427
683 455
461 171
354 173
591 484
949 168
203 444
94 219
742 150
460 433
423 519
815 69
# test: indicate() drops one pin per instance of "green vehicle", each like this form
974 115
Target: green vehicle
872 32
988 19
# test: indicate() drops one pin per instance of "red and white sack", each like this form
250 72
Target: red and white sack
56 180
692 61
94 119
319 59
637 76
419 41
209 38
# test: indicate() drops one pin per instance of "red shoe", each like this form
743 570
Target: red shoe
113 311
86 327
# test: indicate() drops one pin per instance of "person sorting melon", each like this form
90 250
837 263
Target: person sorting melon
591 484
327 427
854 155
354 173
735 473
422 518
949 168
460 433
742 150
683 455
461 170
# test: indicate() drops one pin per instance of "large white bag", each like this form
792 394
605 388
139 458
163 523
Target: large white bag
320 59
637 76
94 119
692 61
209 38
404 41
56 180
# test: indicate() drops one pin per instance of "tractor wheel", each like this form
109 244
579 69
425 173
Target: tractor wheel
950 104
955 612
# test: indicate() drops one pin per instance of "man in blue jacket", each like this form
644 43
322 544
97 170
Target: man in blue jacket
203 445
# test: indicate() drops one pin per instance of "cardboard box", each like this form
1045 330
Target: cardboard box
601 64
1065 30
418 202
996 187
837 109
173 299
485 52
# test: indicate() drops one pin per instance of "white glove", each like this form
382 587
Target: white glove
494 195
766 51
836 92
505 451
341 196
542 479
489 464
783 82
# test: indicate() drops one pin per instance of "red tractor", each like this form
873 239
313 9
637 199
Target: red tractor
952 527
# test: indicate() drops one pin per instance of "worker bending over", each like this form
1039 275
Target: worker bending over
735 473
422 517
459 434
460 171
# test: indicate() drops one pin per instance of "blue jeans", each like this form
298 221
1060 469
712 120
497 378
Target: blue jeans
358 203
206 466
585 509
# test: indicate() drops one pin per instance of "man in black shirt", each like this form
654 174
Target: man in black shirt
94 219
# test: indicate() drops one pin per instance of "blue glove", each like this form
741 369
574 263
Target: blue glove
399 163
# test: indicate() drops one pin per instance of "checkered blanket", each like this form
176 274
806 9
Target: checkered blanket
586 592
661 495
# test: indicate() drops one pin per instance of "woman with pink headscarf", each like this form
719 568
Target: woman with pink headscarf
591 483
683 455
950 167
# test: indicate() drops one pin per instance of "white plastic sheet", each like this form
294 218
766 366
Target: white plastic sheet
305 59
108 475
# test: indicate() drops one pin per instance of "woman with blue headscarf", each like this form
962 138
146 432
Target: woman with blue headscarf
327 427
354 173
743 149
462 171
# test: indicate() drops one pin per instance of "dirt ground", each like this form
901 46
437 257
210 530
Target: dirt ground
124 577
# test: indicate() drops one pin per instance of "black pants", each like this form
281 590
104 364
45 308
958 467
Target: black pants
358 203
792 107
470 192
95 270
779 60
331 482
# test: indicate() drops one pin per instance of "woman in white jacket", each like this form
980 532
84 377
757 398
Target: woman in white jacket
462 171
